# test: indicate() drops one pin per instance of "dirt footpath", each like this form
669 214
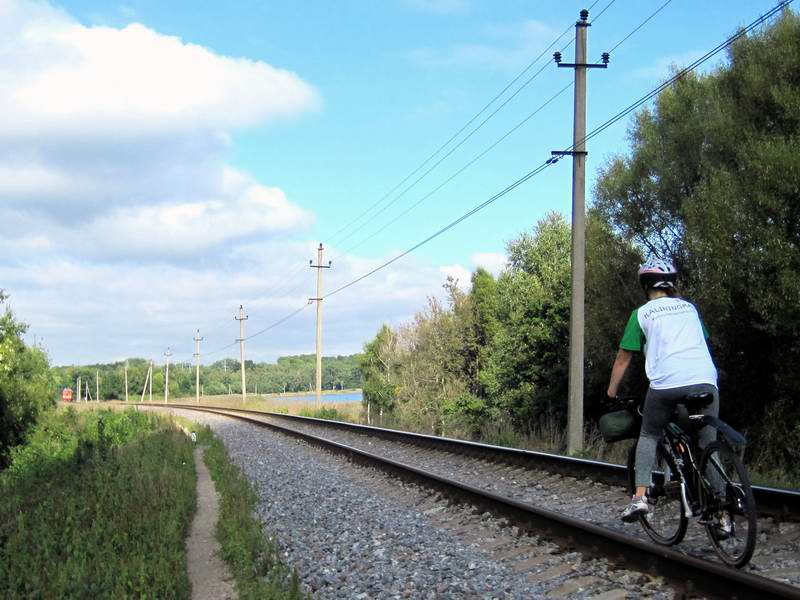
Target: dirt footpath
211 579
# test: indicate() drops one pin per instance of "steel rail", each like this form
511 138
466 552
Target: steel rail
686 573
773 502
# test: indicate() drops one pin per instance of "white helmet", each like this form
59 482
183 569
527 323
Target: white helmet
657 273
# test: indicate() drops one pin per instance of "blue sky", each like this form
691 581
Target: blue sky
166 162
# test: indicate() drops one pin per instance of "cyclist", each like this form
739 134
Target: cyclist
669 331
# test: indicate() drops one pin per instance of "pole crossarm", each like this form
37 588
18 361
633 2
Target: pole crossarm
584 65
569 153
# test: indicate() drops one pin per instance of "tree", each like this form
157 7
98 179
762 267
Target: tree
533 311
712 182
378 365
26 386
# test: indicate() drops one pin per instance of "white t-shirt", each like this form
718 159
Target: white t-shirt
673 339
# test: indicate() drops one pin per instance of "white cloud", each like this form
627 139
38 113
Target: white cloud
491 261
507 47
664 67
68 79
461 274
116 137
186 228
88 312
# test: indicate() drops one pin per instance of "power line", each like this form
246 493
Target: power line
450 225
707 56
621 114
467 124
462 169
501 139
284 285
278 322
638 27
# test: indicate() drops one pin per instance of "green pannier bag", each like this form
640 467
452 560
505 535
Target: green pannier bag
619 425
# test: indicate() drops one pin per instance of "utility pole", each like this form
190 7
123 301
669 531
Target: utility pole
168 353
319 266
578 153
197 340
150 373
126 381
78 389
97 386
144 387
241 318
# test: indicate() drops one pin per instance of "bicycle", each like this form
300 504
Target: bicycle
716 490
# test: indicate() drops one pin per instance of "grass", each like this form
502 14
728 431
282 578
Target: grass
285 404
254 560
96 505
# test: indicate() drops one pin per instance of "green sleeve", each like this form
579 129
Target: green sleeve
633 338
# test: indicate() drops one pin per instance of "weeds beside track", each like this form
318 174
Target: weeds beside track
97 505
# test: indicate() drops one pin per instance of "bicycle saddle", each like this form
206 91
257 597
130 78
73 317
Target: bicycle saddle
692 404
696 402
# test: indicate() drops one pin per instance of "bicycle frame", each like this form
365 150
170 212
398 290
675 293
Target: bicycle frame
695 487
679 445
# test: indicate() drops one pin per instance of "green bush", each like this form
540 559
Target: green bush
331 414
97 505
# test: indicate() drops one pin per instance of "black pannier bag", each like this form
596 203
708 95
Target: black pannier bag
620 425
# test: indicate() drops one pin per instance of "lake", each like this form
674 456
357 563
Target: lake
327 397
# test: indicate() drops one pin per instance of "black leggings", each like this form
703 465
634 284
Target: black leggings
658 408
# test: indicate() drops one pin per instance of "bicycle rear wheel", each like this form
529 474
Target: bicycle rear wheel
666 522
727 495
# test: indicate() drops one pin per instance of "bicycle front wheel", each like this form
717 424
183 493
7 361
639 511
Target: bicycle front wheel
730 508
666 522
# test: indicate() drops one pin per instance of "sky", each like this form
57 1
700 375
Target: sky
162 163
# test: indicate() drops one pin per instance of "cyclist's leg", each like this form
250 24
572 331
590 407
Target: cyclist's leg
658 408
709 434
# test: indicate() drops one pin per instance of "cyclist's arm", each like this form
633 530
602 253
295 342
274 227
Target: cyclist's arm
632 341
618 371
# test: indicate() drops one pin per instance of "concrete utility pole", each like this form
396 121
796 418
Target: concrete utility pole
578 153
150 373
241 318
168 353
126 381
144 387
319 266
197 340
78 389
97 386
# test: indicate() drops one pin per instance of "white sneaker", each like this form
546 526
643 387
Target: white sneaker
635 509
722 527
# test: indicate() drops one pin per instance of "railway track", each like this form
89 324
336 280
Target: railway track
690 574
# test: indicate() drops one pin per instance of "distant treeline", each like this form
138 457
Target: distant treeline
289 374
